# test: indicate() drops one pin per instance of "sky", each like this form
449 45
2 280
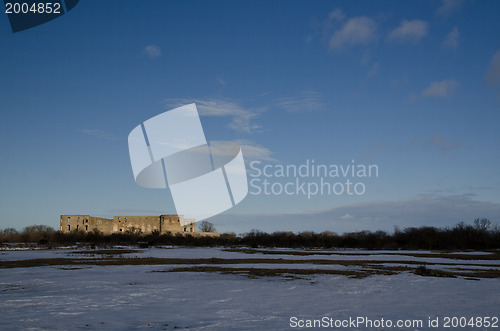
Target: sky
411 88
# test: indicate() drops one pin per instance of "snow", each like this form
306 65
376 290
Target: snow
125 297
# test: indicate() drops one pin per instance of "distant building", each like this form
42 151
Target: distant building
121 224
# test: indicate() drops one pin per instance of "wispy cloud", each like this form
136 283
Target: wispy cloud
429 209
346 217
493 72
407 147
152 51
356 31
305 101
99 133
436 143
253 151
451 40
409 31
374 151
242 119
422 210
443 88
336 15
222 82
366 57
442 144
449 6
373 70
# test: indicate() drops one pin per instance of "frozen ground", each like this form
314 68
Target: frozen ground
74 296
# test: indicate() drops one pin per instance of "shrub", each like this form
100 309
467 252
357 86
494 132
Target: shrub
480 236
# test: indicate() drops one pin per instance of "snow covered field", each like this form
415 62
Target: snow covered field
217 289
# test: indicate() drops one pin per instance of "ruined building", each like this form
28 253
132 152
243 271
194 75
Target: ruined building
136 224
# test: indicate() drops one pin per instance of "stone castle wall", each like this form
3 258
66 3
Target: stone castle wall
123 224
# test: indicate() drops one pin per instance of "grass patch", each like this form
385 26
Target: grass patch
353 268
481 273
445 255
107 252
287 273
426 272
109 260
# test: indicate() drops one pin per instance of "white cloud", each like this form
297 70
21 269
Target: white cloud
443 144
493 72
356 31
411 31
152 51
99 133
440 89
336 15
253 151
407 147
451 40
373 70
221 81
449 6
304 102
366 57
242 118
422 210
346 217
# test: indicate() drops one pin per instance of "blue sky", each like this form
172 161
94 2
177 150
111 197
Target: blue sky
414 89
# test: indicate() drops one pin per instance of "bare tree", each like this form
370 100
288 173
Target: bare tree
205 226
482 224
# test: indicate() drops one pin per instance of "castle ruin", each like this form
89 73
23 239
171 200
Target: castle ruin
132 224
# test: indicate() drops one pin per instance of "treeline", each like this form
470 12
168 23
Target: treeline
479 235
